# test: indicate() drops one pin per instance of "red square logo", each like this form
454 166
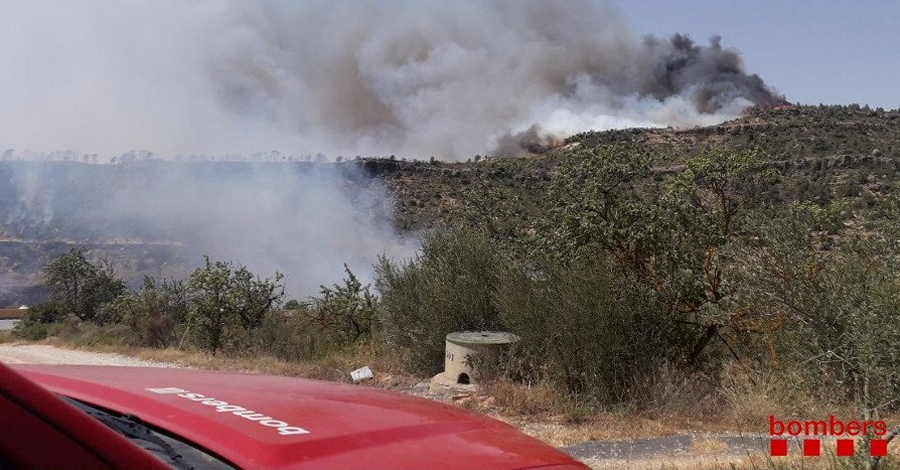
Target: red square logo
778 447
845 447
812 447
878 447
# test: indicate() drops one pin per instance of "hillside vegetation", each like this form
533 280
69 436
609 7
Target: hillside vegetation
662 270
821 153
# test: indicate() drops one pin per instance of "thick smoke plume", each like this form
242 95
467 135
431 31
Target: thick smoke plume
98 80
415 78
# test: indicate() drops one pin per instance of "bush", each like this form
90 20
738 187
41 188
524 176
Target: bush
292 336
152 314
83 333
832 292
347 312
449 287
31 331
34 325
587 328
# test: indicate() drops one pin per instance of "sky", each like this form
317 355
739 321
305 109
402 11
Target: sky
822 51
417 78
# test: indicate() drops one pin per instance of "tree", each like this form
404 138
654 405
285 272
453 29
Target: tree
350 309
593 205
152 314
79 286
225 297
670 236
834 289
709 201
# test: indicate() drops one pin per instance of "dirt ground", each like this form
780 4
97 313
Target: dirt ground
13 353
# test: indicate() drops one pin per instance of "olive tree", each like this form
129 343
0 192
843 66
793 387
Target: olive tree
664 225
79 286
225 298
348 311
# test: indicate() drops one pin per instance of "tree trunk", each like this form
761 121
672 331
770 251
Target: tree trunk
711 332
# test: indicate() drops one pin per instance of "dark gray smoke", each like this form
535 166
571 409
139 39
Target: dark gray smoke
413 78
714 77
531 141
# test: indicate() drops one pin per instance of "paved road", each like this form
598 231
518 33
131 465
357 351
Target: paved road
673 452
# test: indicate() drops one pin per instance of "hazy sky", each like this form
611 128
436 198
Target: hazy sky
417 78
822 51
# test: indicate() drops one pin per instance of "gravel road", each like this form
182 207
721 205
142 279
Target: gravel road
12 353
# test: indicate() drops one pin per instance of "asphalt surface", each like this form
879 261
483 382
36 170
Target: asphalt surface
637 449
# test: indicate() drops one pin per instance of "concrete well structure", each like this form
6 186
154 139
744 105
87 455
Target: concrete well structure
460 345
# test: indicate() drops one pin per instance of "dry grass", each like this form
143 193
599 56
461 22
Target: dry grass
7 337
708 445
12 313
546 412
750 397
671 404
335 367
679 397
709 454
523 399
602 426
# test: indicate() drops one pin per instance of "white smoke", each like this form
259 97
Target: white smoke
303 220
412 78
306 222
415 78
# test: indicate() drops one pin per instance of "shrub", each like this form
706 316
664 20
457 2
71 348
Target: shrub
151 314
832 291
291 335
449 287
347 311
34 324
587 328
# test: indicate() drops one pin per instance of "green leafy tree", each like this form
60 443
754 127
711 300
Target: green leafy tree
834 290
670 236
593 204
224 298
349 310
710 201
78 286
152 314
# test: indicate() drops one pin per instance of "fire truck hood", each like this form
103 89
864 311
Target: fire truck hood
258 421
